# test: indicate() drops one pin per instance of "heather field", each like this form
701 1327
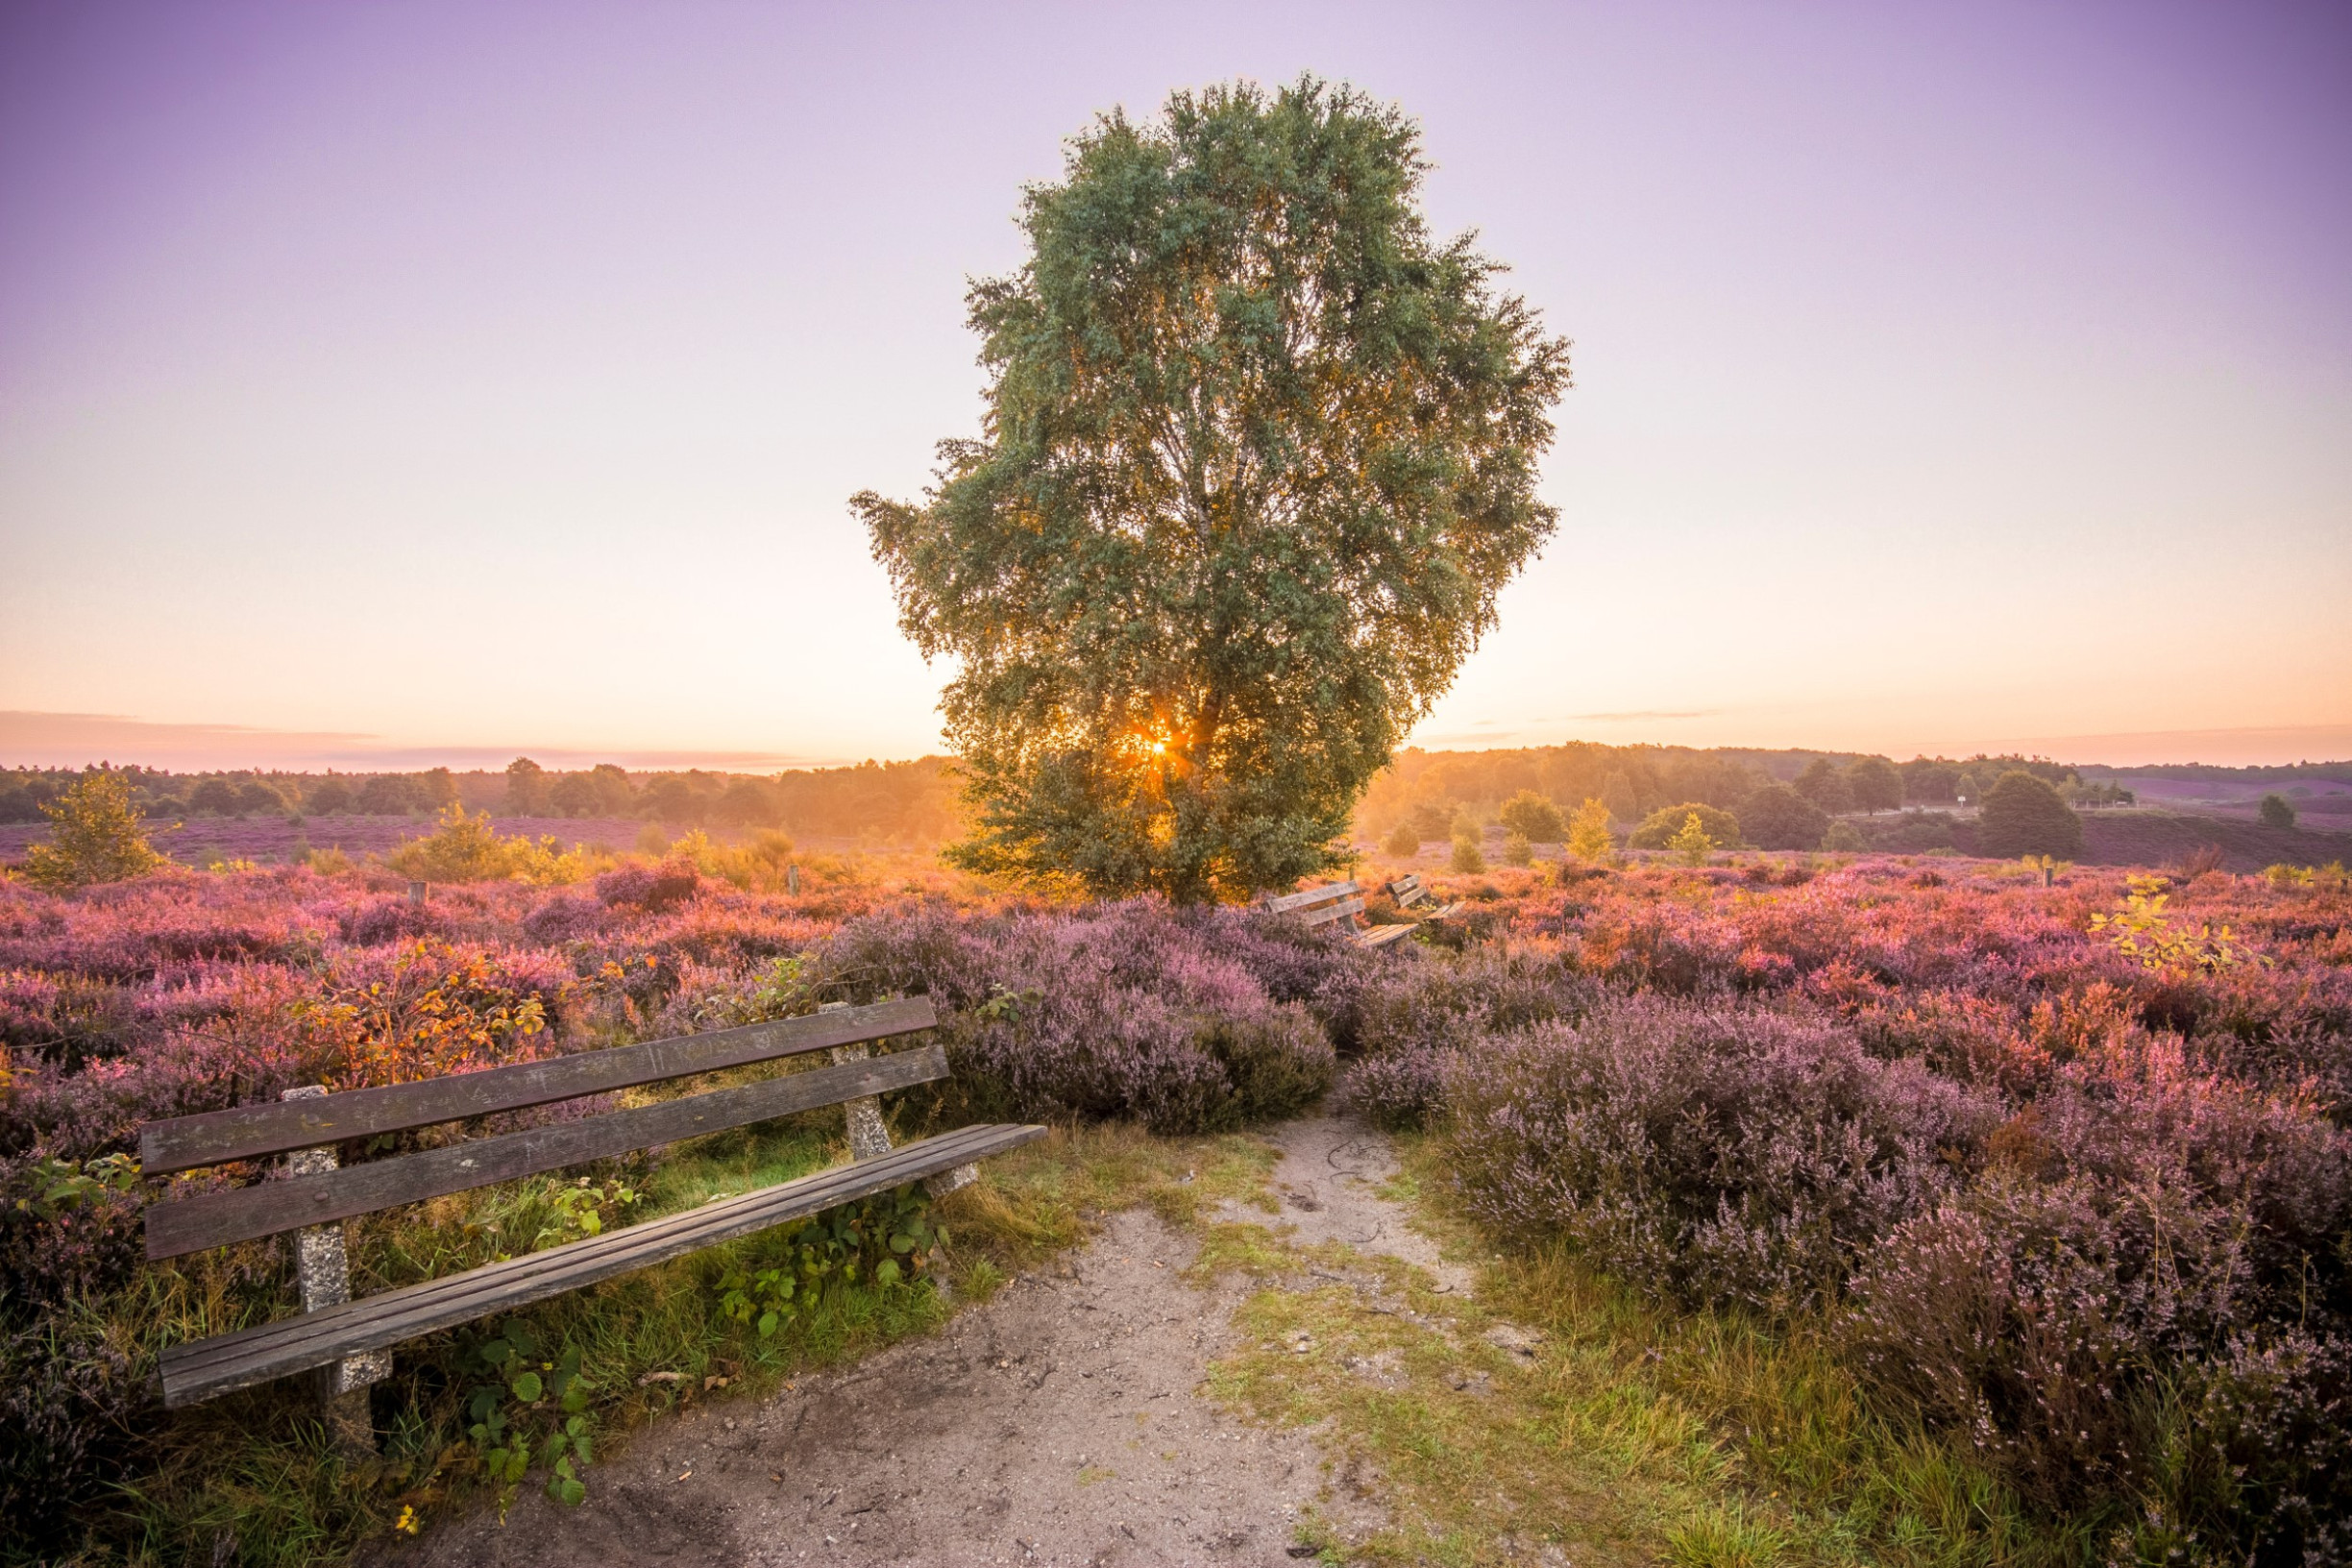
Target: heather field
2058 1176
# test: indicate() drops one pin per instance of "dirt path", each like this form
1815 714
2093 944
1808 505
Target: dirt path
1061 1422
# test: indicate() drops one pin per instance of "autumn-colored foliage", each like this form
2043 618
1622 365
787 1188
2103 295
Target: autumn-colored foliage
2009 1139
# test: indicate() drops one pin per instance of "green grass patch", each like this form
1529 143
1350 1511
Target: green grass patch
1561 1412
254 1477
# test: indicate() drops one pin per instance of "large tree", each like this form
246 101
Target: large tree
1258 455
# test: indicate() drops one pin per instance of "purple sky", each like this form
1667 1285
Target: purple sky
442 381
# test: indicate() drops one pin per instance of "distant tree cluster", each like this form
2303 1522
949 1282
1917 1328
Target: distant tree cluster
1777 817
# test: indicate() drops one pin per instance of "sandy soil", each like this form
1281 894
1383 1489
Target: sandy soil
1061 1422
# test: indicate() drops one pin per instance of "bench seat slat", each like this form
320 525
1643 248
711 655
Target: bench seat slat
214 1219
248 1132
1312 895
1380 936
200 1370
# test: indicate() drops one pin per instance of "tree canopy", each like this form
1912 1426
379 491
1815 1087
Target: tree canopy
1778 818
1258 455
2025 816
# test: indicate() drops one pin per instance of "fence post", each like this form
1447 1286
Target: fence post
324 1269
416 901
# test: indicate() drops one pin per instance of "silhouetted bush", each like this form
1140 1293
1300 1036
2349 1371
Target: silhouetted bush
1532 817
2023 816
1874 784
387 795
328 797
1821 784
2275 812
1778 818
648 887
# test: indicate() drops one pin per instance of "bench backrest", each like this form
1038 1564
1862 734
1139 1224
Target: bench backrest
1318 906
211 1220
1408 889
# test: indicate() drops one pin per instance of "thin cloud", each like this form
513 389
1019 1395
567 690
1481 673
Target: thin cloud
74 740
1643 716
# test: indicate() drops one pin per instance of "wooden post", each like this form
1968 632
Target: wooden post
792 880
870 1137
324 1269
416 901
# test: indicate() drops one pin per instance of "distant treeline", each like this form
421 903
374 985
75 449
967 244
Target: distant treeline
2205 772
901 802
1635 780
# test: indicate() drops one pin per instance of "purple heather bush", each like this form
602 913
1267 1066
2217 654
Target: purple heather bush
1120 1010
1714 1152
1413 1017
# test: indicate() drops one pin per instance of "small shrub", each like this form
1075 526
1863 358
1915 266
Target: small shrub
2275 811
1843 837
1588 835
467 849
1466 860
648 888
1659 829
1691 844
94 836
1516 851
1404 841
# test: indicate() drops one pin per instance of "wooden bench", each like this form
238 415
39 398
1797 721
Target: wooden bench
1341 902
346 1338
1411 894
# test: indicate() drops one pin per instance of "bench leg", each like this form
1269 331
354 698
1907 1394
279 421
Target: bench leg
324 1269
869 1138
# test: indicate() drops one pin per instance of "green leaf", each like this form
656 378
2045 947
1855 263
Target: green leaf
769 1323
1255 586
526 1388
887 1271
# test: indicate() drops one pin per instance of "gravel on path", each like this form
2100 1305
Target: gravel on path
1063 1422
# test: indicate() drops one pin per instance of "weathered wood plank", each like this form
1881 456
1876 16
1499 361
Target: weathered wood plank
1344 909
214 1219
249 1130
1380 936
209 1367
434 1296
1298 901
